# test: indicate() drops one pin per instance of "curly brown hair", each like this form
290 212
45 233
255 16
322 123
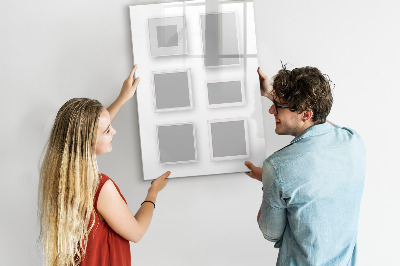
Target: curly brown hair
304 88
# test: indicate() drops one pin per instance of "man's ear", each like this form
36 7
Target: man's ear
306 115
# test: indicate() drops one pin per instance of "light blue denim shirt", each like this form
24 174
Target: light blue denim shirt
311 197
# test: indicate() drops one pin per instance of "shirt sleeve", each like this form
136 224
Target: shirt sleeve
273 219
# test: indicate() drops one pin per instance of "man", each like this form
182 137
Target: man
312 187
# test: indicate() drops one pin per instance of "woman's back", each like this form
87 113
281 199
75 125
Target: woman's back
105 246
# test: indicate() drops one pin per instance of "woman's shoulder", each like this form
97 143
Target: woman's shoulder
102 175
103 180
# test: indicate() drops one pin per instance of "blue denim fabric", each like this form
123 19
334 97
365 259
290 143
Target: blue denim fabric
311 197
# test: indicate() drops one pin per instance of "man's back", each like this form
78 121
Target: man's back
313 188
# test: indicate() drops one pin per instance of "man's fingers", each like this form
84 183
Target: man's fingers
249 165
251 174
260 72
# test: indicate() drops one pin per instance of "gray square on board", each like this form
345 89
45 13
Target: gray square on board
176 143
172 90
220 39
167 36
224 92
228 138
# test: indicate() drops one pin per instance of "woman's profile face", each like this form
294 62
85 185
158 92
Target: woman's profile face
105 133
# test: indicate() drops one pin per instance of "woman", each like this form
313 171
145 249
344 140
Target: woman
84 219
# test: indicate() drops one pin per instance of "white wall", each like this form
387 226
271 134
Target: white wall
51 51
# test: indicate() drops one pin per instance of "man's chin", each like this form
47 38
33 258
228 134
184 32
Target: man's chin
280 132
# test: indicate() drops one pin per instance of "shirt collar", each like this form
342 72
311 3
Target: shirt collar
314 131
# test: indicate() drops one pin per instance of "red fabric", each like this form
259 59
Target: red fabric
105 247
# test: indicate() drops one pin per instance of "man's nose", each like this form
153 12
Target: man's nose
272 110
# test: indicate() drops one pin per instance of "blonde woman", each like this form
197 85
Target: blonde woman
84 219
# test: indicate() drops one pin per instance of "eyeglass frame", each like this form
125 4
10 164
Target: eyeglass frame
278 106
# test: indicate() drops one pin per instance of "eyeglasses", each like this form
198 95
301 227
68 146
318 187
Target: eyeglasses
278 106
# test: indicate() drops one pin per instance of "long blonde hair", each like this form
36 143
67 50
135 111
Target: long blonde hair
68 182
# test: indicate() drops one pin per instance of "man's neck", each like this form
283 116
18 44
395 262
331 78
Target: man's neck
305 126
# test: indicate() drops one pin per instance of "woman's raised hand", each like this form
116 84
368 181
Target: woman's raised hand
129 86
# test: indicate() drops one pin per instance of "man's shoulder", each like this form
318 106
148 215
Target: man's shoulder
346 130
283 156
339 136
347 136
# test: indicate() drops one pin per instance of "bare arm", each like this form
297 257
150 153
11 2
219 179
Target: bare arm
127 91
145 212
119 217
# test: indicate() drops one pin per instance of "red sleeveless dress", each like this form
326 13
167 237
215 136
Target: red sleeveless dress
105 247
